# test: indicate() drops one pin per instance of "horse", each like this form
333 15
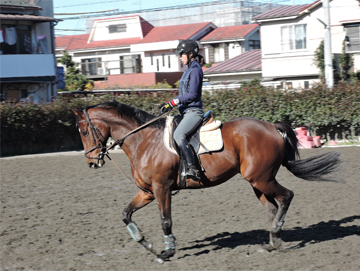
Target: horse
253 148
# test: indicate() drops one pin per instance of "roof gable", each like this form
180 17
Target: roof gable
230 32
248 61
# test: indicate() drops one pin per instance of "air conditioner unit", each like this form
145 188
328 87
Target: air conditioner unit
100 71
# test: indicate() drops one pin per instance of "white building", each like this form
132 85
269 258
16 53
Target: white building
129 51
27 59
290 36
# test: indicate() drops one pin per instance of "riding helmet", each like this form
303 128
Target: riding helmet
187 47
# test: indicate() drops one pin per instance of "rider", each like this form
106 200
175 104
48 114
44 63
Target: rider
189 102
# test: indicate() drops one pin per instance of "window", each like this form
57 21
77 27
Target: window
254 44
352 39
306 84
91 66
152 58
163 60
116 28
16 40
169 62
293 37
23 93
219 52
157 64
130 64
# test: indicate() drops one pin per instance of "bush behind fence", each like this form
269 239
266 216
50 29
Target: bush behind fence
34 128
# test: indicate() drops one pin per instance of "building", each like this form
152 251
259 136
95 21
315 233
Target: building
129 51
27 59
290 36
234 71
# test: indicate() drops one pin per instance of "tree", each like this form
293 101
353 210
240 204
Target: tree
320 60
74 80
345 62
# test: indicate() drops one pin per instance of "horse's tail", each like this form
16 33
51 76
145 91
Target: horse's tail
313 168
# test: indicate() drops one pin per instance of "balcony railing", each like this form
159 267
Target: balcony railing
104 68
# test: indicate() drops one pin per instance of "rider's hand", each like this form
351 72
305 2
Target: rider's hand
169 105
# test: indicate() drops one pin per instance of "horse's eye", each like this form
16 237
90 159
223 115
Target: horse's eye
85 133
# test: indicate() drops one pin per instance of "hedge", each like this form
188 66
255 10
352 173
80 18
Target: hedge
32 128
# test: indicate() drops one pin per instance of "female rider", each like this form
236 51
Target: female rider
189 102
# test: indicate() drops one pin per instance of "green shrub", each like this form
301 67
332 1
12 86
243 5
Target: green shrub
316 108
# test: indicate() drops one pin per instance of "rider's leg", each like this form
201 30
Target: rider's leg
186 127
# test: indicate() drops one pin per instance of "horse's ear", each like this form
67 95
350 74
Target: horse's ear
77 112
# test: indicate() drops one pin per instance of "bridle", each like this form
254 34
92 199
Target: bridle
98 143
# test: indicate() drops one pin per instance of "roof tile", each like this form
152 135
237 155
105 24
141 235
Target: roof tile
248 61
284 11
173 32
230 32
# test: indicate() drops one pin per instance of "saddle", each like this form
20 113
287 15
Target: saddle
206 138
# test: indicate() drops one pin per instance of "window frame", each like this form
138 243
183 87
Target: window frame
291 43
119 28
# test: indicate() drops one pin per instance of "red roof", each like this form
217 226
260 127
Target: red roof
80 42
284 11
151 34
248 61
230 32
173 32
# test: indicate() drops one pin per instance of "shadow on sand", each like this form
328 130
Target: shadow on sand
323 231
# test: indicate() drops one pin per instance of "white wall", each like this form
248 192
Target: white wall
100 29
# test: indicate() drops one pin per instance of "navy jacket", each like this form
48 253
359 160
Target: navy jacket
190 88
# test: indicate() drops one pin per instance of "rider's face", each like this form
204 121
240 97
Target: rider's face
184 59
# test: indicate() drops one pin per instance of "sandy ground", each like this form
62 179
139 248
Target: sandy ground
57 214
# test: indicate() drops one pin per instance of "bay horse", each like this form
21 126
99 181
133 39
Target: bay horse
256 149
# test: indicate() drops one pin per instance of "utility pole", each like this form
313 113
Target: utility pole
329 75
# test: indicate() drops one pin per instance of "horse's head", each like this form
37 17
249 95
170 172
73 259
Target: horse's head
94 134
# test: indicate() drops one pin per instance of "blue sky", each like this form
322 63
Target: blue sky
77 26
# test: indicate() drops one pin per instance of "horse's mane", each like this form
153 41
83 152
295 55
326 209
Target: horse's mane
141 117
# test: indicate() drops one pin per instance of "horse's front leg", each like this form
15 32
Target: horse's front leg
139 201
163 196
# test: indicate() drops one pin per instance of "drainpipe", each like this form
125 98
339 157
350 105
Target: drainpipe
53 84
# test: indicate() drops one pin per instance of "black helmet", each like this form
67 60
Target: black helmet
187 47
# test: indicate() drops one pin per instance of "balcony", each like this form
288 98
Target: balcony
16 67
94 68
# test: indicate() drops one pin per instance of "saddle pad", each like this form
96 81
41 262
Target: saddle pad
210 136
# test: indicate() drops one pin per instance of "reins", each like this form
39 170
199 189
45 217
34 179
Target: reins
105 150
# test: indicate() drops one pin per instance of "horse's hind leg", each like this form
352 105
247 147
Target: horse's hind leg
139 201
269 203
273 190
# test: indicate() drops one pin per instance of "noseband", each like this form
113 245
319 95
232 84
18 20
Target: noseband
98 144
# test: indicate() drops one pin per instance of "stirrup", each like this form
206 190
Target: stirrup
193 173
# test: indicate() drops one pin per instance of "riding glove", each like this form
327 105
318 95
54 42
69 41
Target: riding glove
169 105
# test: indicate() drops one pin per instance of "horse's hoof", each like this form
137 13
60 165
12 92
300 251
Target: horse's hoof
165 255
267 248
159 260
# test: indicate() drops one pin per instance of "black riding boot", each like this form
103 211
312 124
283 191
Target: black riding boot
186 150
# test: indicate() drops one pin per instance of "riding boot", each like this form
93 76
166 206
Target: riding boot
187 152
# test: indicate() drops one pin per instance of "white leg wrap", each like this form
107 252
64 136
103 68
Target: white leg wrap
169 242
134 231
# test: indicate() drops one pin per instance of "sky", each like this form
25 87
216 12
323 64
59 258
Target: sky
77 26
